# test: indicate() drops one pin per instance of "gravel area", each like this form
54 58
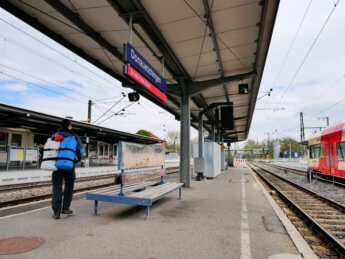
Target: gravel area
38 191
335 193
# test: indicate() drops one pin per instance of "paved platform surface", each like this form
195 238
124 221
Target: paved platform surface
210 222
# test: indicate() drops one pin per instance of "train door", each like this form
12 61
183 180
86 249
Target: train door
331 159
328 159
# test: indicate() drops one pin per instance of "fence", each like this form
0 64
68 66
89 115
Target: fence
20 157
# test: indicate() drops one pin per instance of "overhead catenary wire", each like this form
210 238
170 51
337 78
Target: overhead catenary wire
304 59
58 52
308 52
109 109
330 107
2 61
55 62
46 81
291 44
42 87
116 113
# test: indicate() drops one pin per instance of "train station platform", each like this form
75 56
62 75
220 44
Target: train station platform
37 175
228 217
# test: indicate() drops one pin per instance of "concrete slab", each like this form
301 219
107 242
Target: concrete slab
208 223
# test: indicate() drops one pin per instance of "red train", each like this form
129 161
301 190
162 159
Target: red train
327 152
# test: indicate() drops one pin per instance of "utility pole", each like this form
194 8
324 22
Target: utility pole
269 144
89 111
325 118
302 126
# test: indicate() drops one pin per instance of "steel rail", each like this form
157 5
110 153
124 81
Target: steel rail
317 175
337 245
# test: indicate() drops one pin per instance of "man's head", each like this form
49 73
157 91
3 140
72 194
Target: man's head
66 124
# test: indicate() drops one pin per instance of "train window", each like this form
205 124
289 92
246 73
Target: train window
341 151
3 141
316 151
16 140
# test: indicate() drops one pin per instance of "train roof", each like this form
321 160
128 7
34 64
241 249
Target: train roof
333 129
45 124
325 133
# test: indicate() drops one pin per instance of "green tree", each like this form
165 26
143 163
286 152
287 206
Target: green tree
251 144
173 140
143 132
285 144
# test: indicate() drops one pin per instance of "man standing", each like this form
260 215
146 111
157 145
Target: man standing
65 175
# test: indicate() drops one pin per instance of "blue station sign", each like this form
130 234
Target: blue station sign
138 62
230 139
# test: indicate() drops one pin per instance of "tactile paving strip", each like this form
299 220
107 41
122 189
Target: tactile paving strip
17 245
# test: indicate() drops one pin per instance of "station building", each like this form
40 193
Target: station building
23 134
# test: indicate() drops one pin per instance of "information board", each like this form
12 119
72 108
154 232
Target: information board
16 154
132 156
31 154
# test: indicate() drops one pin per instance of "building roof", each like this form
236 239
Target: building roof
40 123
209 45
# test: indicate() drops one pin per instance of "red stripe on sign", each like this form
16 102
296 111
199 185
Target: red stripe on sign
145 83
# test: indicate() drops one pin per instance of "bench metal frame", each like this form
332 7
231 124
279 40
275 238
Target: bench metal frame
122 198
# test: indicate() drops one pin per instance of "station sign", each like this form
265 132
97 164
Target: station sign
230 139
137 77
137 61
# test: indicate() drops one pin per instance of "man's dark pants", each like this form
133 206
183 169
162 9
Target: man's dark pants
57 181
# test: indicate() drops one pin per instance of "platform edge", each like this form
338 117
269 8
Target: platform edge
302 246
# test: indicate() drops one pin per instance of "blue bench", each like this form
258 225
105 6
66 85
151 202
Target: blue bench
136 188
141 180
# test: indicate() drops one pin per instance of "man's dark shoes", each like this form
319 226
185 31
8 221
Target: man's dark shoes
68 212
56 216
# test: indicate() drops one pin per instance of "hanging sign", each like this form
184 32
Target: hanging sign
230 139
136 76
138 62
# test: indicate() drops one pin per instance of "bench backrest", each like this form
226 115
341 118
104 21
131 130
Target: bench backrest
139 162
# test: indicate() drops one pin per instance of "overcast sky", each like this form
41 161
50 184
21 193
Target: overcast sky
70 81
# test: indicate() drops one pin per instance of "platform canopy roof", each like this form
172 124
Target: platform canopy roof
209 45
45 125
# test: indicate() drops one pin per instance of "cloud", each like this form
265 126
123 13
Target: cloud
15 87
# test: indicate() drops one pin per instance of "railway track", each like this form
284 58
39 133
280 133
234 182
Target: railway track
304 173
23 186
18 188
323 216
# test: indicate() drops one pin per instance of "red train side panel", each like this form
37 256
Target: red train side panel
327 151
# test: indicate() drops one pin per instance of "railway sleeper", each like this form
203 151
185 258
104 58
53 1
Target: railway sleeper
329 227
325 211
329 216
331 221
322 251
313 240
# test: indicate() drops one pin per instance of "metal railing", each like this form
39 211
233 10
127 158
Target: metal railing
19 157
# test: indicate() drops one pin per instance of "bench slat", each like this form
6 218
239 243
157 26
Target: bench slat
164 191
148 191
130 187
156 191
